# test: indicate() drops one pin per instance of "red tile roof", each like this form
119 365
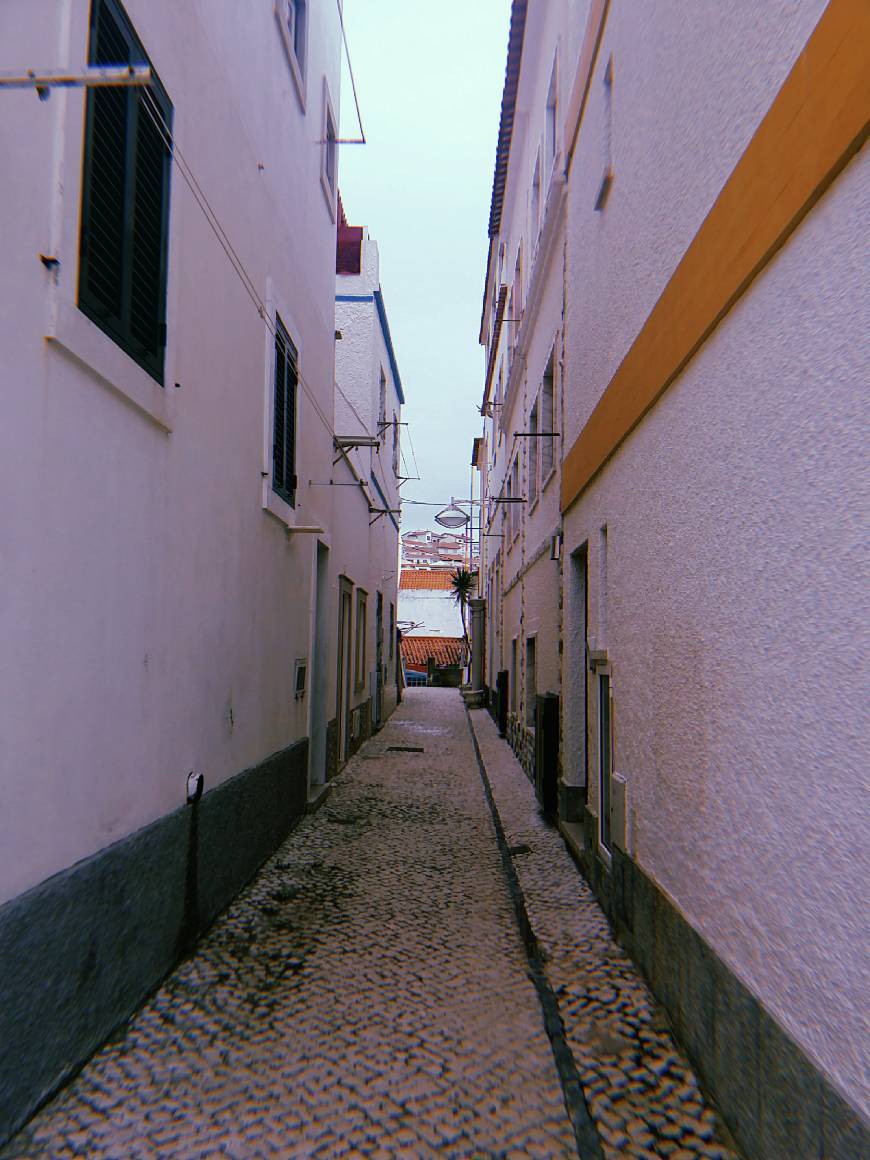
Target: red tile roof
444 650
423 578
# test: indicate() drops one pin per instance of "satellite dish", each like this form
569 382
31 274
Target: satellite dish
452 517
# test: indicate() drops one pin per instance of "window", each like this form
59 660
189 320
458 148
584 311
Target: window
533 455
512 328
536 197
517 312
515 491
125 198
392 629
507 508
284 418
329 156
605 758
382 407
514 674
550 125
293 22
360 656
531 680
548 417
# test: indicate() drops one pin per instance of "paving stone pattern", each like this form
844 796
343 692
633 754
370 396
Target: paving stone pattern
366 996
640 1090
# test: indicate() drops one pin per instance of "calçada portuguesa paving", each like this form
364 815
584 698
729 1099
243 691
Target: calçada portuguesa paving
370 994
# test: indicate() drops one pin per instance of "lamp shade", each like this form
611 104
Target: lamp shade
452 517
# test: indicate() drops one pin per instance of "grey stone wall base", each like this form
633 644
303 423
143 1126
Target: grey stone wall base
775 1101
360 729
572 800
474 698
81 951
316 797
331 748
522 741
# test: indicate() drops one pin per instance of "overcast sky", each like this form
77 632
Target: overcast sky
429 78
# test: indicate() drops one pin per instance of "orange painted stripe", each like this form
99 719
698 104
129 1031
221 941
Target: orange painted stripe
817 122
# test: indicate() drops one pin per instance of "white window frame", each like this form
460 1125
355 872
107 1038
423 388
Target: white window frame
549 422
328 120
276 305
551 125
287 15
534 453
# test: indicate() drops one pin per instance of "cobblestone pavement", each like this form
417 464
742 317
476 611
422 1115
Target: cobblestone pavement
641 1091
366 996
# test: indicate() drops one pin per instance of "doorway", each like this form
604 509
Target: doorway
342 700
379 660
318 683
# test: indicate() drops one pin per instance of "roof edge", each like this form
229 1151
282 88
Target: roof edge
506 127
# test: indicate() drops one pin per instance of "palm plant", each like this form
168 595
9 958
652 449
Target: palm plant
463 582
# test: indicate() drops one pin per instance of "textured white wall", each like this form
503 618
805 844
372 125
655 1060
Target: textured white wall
690 85
435 612
367 554
553 33
150 608
736 595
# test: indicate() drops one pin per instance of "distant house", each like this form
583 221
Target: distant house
430 549
432 658
426 604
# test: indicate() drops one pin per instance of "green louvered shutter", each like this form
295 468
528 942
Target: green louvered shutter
284 418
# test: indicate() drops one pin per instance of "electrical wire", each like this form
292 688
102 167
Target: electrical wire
153 110
362 134
413 452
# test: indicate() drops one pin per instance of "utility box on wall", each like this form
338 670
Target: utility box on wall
547 752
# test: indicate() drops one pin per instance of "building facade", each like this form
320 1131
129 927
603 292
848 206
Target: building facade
707 538
522 330
176 564
368 417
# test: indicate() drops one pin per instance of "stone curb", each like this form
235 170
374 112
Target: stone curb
588 1142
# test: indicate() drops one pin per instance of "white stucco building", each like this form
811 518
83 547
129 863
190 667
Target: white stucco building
426 603
170 596
708 534
522 330
368 417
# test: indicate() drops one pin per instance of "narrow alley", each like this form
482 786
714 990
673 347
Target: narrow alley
370 994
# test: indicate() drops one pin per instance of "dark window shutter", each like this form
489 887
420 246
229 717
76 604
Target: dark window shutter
106 186
284 419
280 422
125 198
148 259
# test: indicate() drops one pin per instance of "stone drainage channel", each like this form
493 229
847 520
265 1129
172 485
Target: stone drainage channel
367 995
617 1060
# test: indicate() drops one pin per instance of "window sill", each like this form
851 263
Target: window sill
533 503
277 507
546 482
75 334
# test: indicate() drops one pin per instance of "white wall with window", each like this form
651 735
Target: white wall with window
521 424
368 414
148 613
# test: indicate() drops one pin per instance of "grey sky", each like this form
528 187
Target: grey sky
429 78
